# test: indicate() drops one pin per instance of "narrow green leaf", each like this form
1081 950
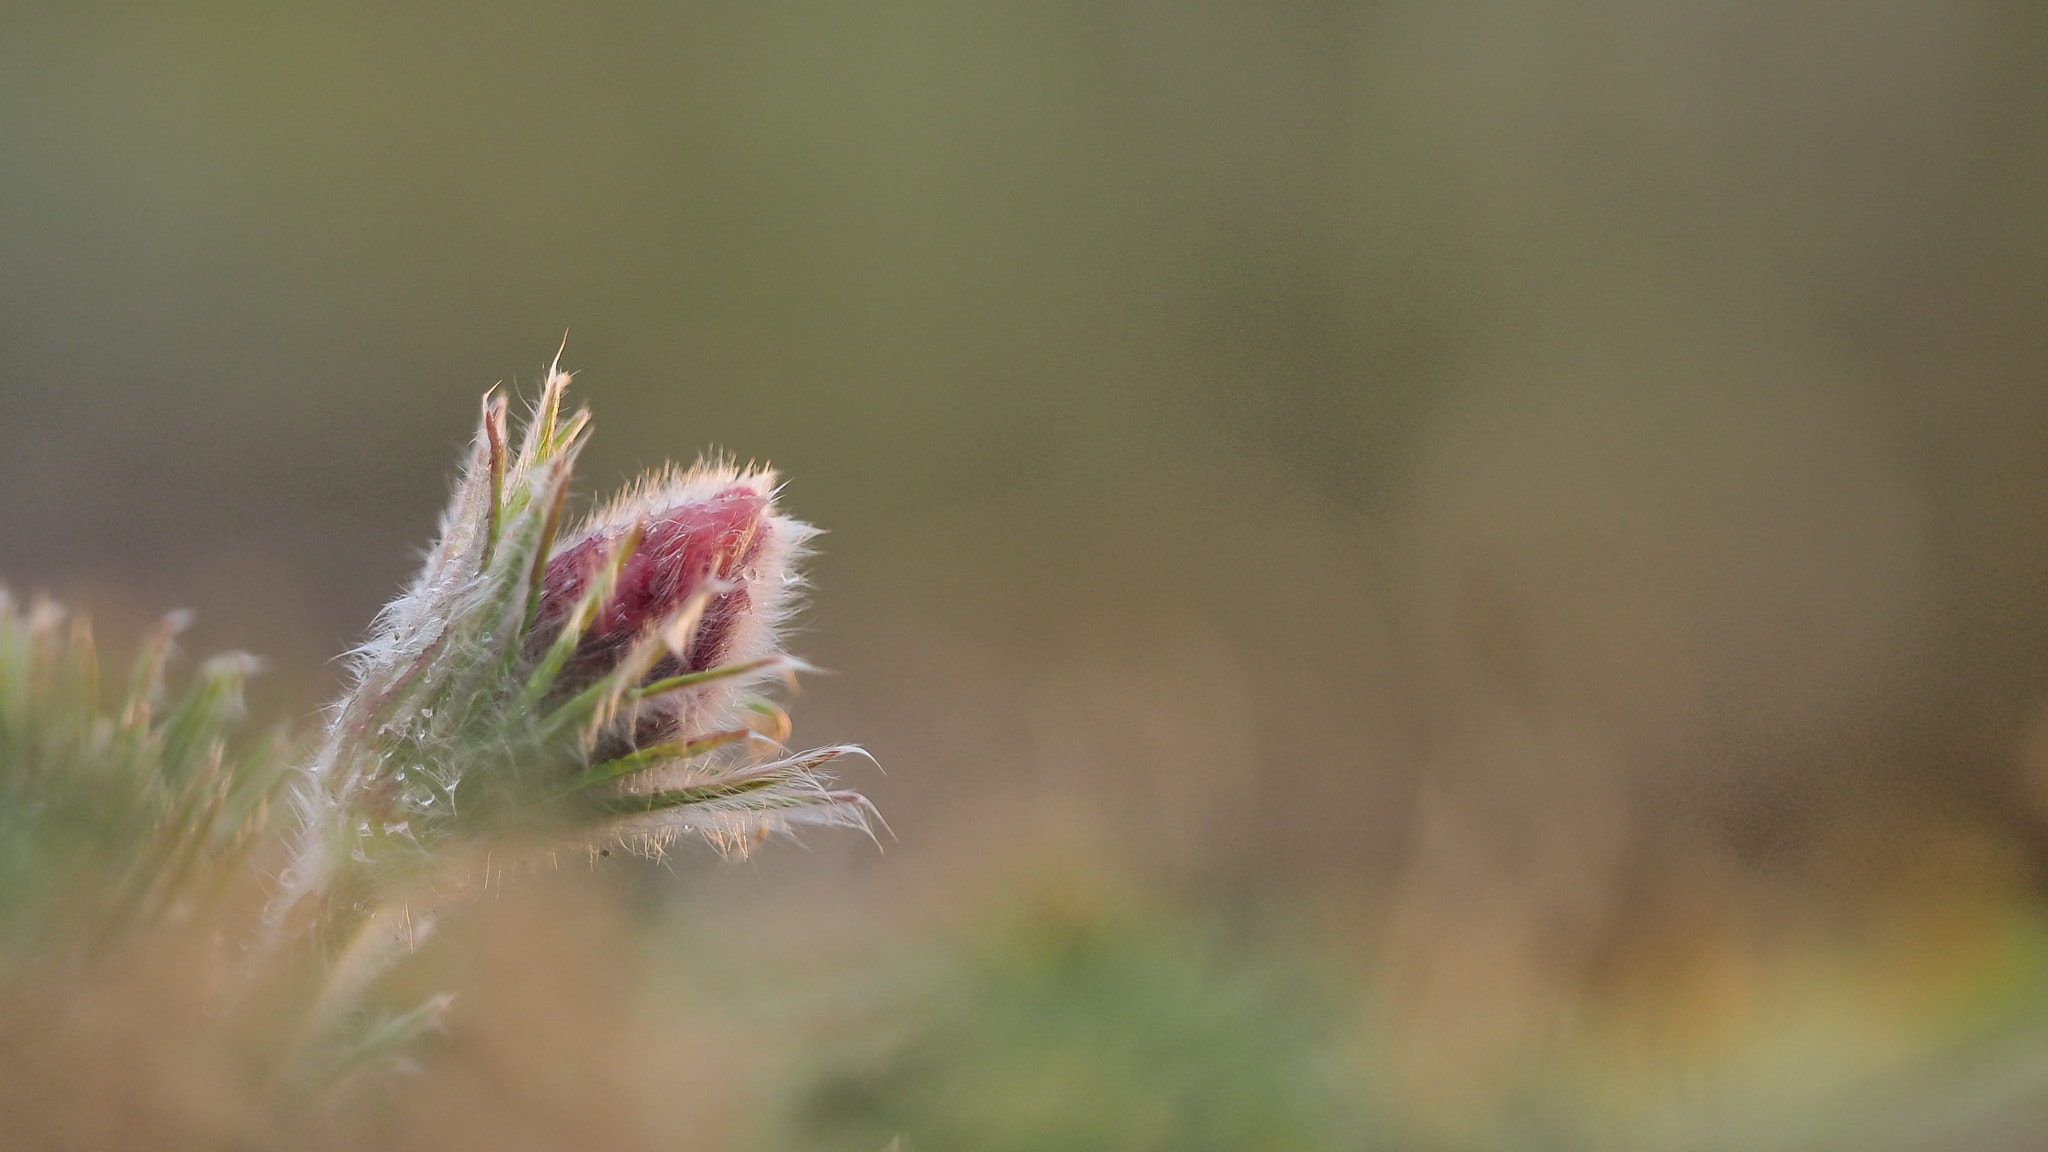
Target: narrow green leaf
649 757
206 710
494 432
146 682
602 583
707 676
385 1036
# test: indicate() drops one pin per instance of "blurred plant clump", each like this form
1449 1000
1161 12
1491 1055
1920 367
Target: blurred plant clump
536 690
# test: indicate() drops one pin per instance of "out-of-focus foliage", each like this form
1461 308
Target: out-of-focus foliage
1075 1028
121 807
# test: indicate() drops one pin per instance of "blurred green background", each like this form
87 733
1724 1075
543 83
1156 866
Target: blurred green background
1423 575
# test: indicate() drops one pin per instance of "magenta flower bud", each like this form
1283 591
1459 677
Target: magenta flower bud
712 563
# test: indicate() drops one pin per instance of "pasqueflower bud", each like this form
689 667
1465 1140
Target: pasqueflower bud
534 686
707 563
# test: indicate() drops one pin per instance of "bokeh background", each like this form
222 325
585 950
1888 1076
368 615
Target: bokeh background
1424 575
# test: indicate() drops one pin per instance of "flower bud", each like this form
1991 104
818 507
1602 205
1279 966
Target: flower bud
708 560
534 685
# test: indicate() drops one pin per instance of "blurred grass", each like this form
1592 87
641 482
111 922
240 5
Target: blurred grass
1070 1029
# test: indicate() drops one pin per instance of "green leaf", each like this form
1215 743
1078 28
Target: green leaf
651 757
